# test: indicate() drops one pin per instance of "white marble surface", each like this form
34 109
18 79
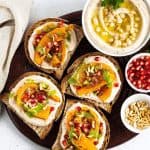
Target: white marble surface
10 137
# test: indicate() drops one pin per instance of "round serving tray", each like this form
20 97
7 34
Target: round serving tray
20 65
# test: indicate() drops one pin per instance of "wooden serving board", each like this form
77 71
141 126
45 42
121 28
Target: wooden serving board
20 65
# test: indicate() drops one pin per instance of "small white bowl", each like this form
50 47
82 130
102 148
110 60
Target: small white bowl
127 102
105 48
131 85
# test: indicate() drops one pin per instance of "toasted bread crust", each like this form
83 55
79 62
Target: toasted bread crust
41 131
59 72
69 103
65 88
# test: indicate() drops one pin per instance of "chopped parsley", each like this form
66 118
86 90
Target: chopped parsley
107 78
114 3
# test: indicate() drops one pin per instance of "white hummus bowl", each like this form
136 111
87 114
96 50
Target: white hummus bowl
127 102
100 45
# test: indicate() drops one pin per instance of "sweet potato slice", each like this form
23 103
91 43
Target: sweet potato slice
89 89
43 114
82 143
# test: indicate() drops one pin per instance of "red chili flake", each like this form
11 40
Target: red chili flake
116 84
97 58
95 142
52 109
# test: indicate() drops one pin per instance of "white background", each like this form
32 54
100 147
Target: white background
10 137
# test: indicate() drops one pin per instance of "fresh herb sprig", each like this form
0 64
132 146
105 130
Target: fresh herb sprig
114 3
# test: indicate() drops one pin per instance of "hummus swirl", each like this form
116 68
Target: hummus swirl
119 27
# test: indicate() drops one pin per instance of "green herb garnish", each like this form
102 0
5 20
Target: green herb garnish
114 3
43 86
72 134
49 28
85 114
11 95
68 37
94 134
33 111
72 81
52 93
30 81
41 50
107 78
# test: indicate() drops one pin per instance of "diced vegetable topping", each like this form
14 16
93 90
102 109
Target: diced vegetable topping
97 78
34 98
50 44
83 129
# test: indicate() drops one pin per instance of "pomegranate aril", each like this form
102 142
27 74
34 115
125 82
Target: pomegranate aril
95 142
78 108
97 58
52 109
85 130
66 136
148 88
116 84
64 142
77 125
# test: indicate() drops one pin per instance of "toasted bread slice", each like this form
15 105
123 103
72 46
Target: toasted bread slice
71 102
41 131
59 71
65 87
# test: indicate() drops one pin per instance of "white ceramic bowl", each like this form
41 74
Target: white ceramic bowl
103 47
129 82
127 102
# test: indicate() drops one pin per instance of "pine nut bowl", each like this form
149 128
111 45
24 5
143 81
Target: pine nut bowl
117 29
135 113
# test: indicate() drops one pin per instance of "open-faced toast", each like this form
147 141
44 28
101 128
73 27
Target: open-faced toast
37 100
50 43
82 127
96 78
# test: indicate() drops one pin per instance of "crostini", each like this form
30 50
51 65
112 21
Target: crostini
50 43
83 127
96 78
37 100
